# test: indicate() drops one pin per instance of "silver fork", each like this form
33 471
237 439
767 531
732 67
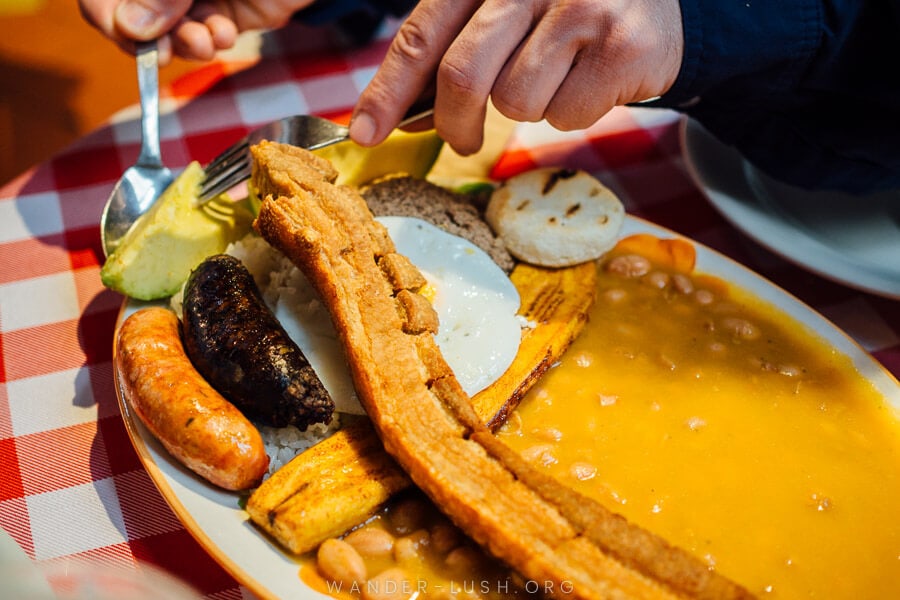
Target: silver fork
232 166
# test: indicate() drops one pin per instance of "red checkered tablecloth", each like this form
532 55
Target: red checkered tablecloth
72 485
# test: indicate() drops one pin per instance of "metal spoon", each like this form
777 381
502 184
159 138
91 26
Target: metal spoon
143 183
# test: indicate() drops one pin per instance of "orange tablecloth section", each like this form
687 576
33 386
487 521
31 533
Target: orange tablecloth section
72 485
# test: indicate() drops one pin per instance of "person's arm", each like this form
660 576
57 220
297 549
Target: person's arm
323 12
800 87
357 20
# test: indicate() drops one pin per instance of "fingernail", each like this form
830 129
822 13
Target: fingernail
137 18
362 129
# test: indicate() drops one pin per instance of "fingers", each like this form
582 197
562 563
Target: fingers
190 29
203 32
566 61
563 71
532 75
574 65
222 28
470 67
408 68
99 13
148 19
636 56
443 42
127 21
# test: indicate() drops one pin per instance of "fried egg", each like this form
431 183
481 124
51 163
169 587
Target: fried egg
479 331
477 307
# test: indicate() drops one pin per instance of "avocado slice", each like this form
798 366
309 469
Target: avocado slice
157 254
402 152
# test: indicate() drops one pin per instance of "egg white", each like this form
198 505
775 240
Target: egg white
479 331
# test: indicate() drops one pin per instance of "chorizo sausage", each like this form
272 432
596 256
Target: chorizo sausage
192 420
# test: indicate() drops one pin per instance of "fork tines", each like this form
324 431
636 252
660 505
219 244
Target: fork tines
225 171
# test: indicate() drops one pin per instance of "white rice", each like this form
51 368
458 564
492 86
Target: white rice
284 443
288 295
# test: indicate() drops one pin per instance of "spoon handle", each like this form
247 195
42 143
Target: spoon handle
148 86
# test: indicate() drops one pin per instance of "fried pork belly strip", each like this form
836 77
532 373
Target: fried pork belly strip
427 423
346 478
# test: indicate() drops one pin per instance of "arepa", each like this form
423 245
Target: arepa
555 217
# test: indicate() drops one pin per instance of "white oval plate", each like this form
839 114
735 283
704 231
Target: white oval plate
851 240
214 518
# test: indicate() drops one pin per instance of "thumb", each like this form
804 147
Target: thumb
149 19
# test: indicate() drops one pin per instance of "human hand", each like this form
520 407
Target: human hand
566 61
190 29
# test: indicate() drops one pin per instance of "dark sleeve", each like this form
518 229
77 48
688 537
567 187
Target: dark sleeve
331 11
356 20
808 90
